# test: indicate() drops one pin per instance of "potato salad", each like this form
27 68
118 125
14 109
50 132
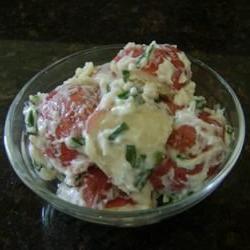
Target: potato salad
129 134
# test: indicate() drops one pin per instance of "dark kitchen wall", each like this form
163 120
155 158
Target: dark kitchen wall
216 26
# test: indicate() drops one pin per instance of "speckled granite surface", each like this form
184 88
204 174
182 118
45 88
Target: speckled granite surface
215 31
208 25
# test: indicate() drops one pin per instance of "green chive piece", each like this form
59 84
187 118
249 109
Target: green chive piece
34 99
229 129
164 199
200 102
141 179
190 192
138 62
125 75
124 94
76 142
158 157
131 155
118 130
181 157
108 88
30 119
147 53
140 161
167 199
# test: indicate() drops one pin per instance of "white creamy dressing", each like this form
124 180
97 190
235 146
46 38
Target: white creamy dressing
147 136
185 94
165 75
70 194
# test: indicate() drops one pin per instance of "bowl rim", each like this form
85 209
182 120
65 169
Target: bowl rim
174 208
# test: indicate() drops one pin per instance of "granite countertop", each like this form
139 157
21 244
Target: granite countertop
219 222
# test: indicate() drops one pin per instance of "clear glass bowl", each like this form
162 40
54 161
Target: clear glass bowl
209 83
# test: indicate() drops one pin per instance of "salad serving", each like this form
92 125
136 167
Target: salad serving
129 134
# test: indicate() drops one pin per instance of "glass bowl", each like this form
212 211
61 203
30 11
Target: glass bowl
209 83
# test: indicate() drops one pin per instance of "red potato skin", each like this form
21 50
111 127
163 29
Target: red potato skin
95 186
180 175
157 57
119 202
182 138
73 111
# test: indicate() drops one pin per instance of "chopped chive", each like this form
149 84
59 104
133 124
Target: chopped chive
200 102
181 157
76 142
140 161
108 88
30 119
34 99
141 179
149 52
158 157
190 192
124 94
139 60
118 130
167 199
125 75
131 155
229 129
146 54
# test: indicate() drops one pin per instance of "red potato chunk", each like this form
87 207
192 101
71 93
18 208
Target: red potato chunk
69 107
182 138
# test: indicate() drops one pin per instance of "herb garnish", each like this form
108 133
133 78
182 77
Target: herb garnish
181 157
141 179
200 102
125 75
30 121
76 142
108 88
34 99
158 157
131 155
118 130
140 161
147 53
229 129
124 94
137 162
